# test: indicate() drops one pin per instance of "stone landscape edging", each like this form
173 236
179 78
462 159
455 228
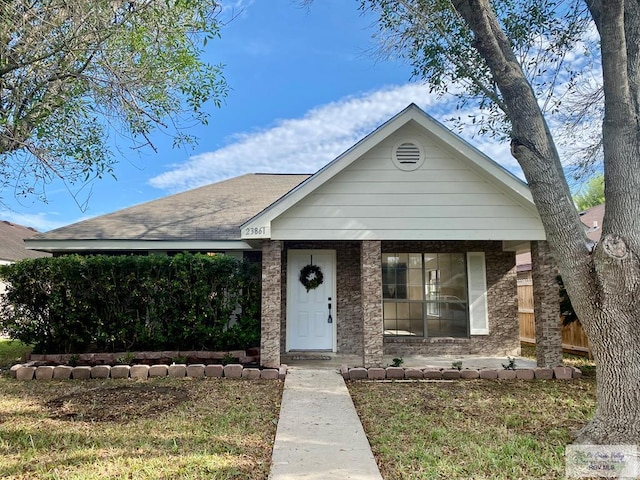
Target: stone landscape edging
34 370
142 372
561 372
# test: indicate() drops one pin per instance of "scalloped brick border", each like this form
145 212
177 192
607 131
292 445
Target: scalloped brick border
400 373
142 372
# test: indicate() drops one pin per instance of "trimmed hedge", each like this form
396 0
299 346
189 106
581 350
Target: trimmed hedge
73 303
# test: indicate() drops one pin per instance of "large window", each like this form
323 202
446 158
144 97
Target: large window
425 294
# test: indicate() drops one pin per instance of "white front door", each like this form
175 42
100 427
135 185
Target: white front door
311 315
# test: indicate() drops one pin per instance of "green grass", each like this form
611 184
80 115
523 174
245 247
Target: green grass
584 363
162 428
12 352
478 429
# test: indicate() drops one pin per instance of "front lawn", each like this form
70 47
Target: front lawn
480 429
163 428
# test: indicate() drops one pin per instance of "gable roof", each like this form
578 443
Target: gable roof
12 247
205 217
229 214
481 165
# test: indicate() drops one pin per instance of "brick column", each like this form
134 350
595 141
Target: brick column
373 329
271 303
546 305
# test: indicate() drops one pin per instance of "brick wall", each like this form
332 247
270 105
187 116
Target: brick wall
546 305
349 300
371 265
271 303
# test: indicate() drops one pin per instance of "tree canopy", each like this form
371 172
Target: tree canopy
524 62
591 194
74 75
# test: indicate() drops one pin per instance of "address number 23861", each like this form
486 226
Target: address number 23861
255 231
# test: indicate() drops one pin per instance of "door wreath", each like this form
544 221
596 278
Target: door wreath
311 277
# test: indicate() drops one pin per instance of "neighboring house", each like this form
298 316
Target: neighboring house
413 231
573 337
592 220
12 246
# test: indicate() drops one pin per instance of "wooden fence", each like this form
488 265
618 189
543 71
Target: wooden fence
573 336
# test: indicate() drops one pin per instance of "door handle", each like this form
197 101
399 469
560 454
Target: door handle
330 319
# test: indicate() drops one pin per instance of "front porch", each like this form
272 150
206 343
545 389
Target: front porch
336 360
359 299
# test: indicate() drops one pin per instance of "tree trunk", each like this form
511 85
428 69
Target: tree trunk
616 351
612 328
612 323
602 283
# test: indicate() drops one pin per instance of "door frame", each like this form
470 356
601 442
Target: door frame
295 283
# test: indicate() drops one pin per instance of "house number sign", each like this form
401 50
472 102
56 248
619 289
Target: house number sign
255 232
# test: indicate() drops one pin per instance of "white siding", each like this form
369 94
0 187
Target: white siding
445 199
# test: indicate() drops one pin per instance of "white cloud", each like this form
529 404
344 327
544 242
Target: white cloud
41 221
235 7
301 145
306 144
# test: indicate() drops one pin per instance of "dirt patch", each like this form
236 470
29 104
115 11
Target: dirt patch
116 404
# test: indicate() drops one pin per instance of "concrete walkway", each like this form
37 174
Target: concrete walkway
319 435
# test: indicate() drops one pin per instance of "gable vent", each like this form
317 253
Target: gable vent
408 156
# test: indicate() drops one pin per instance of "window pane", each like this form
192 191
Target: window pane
432 284
415 293
433 309
415 276
446 295
389 291
390 310
417 328
416 311
389 275
415 260
403 318
452 321
444 266
457 280
401 277
404 327
403 259
431 261
389 259
402 310
389 326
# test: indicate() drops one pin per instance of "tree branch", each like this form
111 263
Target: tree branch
532 144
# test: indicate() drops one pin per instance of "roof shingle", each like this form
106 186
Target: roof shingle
11 242
211 212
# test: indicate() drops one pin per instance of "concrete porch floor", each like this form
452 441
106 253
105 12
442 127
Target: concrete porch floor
335 360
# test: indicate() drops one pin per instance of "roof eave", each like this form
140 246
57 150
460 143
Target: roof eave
70 245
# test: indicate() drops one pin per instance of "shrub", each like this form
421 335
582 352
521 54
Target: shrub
72 303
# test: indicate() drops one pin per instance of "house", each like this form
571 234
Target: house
573 337
12 246
591 218
404 244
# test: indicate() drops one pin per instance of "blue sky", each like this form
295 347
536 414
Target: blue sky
306 84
